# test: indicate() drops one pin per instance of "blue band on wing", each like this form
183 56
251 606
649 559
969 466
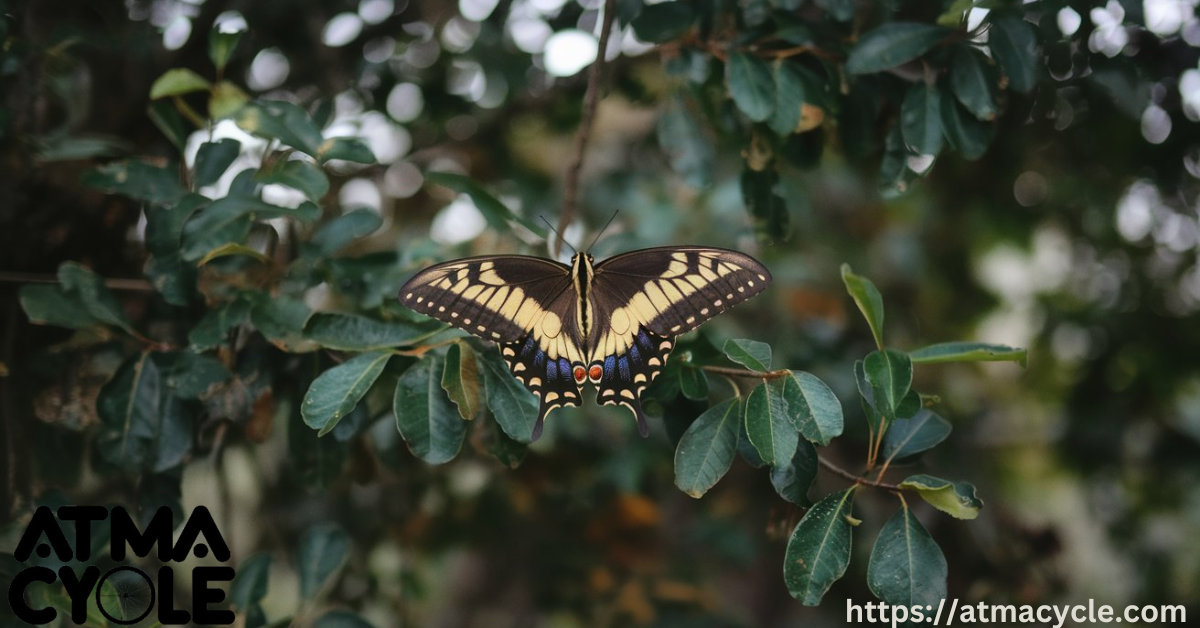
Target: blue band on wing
634 354
551 369
530 345
564 368
623 368
610 365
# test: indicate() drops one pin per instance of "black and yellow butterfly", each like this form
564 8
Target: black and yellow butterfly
612 323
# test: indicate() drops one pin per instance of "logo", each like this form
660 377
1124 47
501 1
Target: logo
124 594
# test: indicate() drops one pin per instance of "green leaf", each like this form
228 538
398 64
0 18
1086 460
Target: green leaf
967 134
346 149
249 585
751 85
768 209
128 407
460 379
746 449
98 301
283 121
213 330
425 416
665 21
53 305
839 10
176 82
967 352
348 332
793 480
514 407
233 249
190 375
227 99
1014 46
868 300
167 119
213 159
497 214
282 320
909 437
341 619
693 383
957 500
341 231
228 220
298 174
751 354
323 549
892 44
818 551
907 567
921 119
974 83
889 375
685 143
335 393
137 180
812 407
707 448
767 423
221 47
789 97
505 450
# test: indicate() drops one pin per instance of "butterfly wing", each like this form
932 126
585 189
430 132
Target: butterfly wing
643 299
525 304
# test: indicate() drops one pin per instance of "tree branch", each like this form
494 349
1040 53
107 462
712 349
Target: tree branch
135 285
732 372
857 479
591 100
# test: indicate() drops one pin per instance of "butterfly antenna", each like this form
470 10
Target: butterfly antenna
562 239
605 228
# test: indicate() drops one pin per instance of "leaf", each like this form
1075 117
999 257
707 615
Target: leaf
839 10
137 180
213 330
514 407
766 206
282 320
249 585
789 97
323 549
664 21
818 551
967 352
348 332
228 220
957 500
426 418
892 44
889 375
745 449
227 99
128 406
346 149
98 301
967 134
812 407
767 423
693 383
685 143
497 214
221 47
176 82
751 354
921 119
233 249
298 174
52 305
167 119
341 619
707 448
341 231
751 85
460 379
907 567
335 393
283 121
868 300
1014 46
974 82
213 159
909 437
793 480
190 375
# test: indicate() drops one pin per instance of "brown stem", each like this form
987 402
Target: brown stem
591 101
855 478
134 285
732 372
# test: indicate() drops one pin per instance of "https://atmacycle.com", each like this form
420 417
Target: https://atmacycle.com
951 612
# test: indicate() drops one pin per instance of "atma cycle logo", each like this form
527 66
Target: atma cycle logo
125 595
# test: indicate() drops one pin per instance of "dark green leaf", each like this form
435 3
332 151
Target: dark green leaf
507 451
665 21
974 82
190 375
128 407
693 383
967 352
52 305
514 407
957 500
226 100
812 407
767 423
840 10
176 82
909 437
907 567
335 393
746 449
221 46
213 159
868 299
892 44
228 220
767 208
921 119
346 149
347 332
894 172
213 330
460 379
249 585
88 289
497 214
793 480
966 133
425 416
818 551
751 354
137 180
707 448
282 320
167 119
789 97
341 619
889 375
300 175
283 121
751 85
341 231
685 143
323 549
1014 46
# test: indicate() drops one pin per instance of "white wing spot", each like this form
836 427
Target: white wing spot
704 311
481 328
408 296
718 303
453 314
441 308
419 299
741 288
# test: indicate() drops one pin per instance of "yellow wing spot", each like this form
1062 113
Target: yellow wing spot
485 295
654 362
481 328
518 367
619 321
408 296
762 277
445 284
419 299
491 278
462 273
628 394
665 345
707 273
608 392
724 269
696 280
460 287
527 313
669 289
496 334
486 266
685 287
551 325
656 296
639 378
508 352
470 293
676 269
551 396
676 328
568 394
691 319
535 381
679 256
515 298
750 283
453 314
497 300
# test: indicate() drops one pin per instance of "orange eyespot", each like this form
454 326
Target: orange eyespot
580 374
595 372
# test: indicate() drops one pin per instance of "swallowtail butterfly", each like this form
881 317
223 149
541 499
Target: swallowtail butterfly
612 323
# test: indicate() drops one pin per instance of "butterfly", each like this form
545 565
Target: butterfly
612 324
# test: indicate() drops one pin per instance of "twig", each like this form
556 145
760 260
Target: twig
855 478
591 100
134 285
732 372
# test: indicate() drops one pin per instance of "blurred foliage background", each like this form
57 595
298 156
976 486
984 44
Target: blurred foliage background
1050 204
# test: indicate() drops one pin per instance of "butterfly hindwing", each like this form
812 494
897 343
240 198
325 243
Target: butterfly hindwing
626 375
551 380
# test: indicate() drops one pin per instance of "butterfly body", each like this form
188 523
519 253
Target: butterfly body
612 324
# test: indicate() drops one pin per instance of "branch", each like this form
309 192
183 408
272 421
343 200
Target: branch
134 285
857 479
732 372
591 100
